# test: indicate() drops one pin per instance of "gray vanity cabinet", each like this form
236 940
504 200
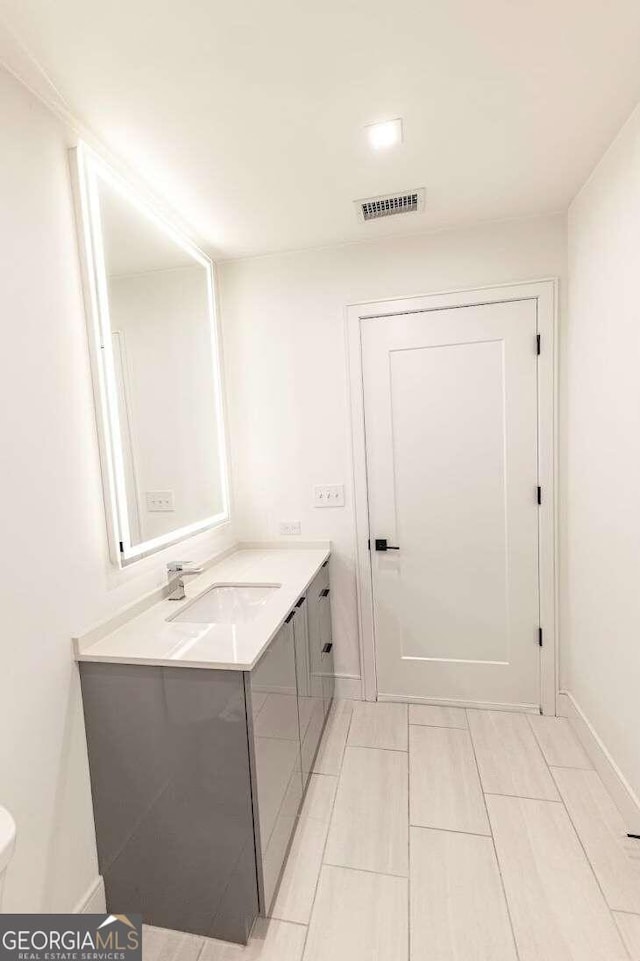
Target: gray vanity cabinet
288 694
171 786
321 664
272 702
198 775
310 691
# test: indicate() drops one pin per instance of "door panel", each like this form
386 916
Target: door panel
451 433
454 589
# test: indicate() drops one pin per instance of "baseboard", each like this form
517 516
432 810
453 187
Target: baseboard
625 798
348 687
93 901
476 705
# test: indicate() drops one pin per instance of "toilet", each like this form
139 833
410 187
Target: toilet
7 844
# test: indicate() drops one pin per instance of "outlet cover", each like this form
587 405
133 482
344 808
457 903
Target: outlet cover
290 527
328 495
158 501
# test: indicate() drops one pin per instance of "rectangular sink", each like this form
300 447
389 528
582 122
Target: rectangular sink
227 604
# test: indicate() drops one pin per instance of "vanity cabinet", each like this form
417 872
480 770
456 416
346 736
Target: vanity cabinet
198 775
321 664
274 745
288 694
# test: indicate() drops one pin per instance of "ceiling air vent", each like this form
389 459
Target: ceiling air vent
410 202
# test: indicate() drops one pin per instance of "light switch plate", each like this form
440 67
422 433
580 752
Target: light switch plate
158 501
328 495
290 527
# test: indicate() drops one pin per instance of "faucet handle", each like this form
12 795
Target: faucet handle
183 567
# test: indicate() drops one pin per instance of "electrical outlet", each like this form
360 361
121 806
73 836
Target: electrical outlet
290 527
328 495
158 501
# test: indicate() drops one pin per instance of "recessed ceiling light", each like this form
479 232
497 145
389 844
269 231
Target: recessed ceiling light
388 133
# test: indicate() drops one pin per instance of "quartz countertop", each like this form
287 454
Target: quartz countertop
150 638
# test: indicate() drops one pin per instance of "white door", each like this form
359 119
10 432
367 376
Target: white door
450 400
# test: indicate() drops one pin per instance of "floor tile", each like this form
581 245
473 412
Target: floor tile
294 899
379 724
369 827
435 716
358 917
629 925
334 739
445 788
458 909
321 792
508 755
342 706
615 858
557 910
270 941
558 743
159 944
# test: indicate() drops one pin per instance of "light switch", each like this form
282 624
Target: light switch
159 501
328 495
290 527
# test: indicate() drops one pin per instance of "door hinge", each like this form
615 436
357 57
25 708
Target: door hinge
540 637
538 340
539 495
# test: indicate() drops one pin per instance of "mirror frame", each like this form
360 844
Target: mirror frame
88 170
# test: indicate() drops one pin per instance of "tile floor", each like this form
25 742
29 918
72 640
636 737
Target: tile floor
439 834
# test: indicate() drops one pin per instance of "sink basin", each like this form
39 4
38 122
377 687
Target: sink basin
227 604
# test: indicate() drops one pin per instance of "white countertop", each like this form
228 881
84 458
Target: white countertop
149 638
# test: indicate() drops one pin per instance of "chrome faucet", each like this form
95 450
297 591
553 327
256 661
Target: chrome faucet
176 572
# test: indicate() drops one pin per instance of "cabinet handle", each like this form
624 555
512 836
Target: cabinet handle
300 602
327 648
290 617
325 592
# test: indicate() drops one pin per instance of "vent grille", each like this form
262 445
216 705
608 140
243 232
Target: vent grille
376 207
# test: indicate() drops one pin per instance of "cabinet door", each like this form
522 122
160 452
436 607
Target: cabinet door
320 636
273 702
311 709
326 650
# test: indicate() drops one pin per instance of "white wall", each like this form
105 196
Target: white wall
55 577
601 561
283 319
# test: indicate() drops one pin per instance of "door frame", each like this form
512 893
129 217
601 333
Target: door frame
545 293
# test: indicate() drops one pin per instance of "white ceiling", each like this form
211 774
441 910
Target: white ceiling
247 116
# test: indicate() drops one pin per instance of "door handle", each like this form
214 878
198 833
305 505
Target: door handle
327 648
325 592
381 545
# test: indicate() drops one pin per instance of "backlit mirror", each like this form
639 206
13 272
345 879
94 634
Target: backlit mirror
154 338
